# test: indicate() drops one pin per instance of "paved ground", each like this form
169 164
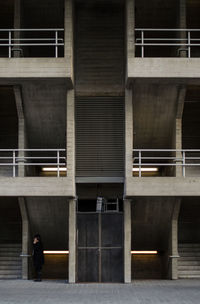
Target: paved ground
139 292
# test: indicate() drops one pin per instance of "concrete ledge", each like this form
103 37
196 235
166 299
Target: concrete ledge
162 186
187 68
34 68
37 186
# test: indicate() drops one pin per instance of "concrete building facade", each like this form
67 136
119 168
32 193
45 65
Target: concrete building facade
100 138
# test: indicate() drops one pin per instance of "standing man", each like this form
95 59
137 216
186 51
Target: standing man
38 257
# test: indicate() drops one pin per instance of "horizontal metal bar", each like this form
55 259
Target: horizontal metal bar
166 150
33 30
30 39
167 44
33 150
32 164
166 30
161 164
32 44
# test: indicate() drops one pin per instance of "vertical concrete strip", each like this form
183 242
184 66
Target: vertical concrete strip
130 29
128 135
174 241
69 34
21 129
183 25
72 241
17 25
25 238
178 127
127 241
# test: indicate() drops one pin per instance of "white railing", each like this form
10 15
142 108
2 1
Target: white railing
183 39
156 158
13 39
13 158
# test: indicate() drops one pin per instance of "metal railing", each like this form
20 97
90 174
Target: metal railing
13 158
142 158
14 39
183 39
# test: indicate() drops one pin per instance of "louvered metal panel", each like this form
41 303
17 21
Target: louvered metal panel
99 48
100 136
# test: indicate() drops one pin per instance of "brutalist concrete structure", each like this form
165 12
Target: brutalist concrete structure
100 138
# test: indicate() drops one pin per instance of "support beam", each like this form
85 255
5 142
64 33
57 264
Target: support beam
25 238
72 241
128 134
183 24
127 241
173 271
17 25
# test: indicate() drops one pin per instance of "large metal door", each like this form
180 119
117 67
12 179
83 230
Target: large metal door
100 247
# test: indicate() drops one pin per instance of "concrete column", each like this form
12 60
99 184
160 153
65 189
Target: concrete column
130 29
128 135
25 238
21 129
178 127
72 241
70 132
174 241
17 25
127 241
69 34
183 24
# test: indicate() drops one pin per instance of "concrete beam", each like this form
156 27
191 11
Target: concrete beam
72 241
69 36
127 241
130 29
37 186
25 238
162 186
163 68
24 68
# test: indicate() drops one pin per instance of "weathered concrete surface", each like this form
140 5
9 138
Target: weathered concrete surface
34 68
162 186
186 68
72 241
36 186
127 241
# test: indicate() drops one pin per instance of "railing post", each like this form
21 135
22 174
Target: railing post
183 163
189 46
58 163
142 40
9 42
140 162
56 42
14 162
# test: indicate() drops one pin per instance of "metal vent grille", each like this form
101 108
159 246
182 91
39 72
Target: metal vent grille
99 136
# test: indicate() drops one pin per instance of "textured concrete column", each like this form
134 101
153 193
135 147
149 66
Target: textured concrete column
69 34
174 241
178 127
128 135
25 238
72 241
17 25
127 241
183 24
130 28
21 129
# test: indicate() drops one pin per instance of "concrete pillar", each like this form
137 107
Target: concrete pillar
25 238
21 129
17 25
69 34
128 135
130 29
174 242
127 241
72 241
183 24
178 127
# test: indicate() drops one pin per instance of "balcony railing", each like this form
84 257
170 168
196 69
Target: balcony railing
182 40
17 39
151 160
52 159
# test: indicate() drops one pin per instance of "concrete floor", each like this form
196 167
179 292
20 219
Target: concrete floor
139 292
